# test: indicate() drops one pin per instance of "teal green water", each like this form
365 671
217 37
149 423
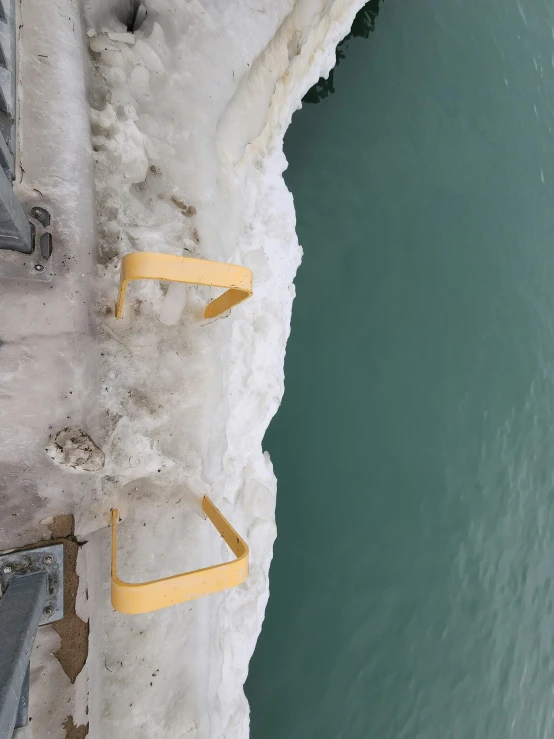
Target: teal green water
412 586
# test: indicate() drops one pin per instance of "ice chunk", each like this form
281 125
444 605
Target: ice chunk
124 38
174 303
128 154
103 119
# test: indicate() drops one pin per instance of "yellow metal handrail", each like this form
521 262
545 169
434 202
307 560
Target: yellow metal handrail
151 596
145 265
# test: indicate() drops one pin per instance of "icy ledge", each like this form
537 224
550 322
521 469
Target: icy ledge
188 118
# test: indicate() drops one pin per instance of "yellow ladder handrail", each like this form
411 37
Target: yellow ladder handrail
144 597
145 265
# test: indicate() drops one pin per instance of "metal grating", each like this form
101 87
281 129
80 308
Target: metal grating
7 83
15 230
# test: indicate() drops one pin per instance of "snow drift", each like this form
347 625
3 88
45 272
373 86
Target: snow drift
188 114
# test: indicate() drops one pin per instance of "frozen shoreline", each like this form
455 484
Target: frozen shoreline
188 117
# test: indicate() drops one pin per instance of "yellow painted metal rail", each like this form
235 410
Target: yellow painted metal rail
151 596
144 265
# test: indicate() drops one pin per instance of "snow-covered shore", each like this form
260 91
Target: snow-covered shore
188 115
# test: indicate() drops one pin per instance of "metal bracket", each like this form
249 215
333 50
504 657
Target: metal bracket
44 559
146 265
143 597
41 215
36 227
42 237
31 596
36 265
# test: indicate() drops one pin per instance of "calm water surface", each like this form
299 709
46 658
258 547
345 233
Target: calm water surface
412 587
